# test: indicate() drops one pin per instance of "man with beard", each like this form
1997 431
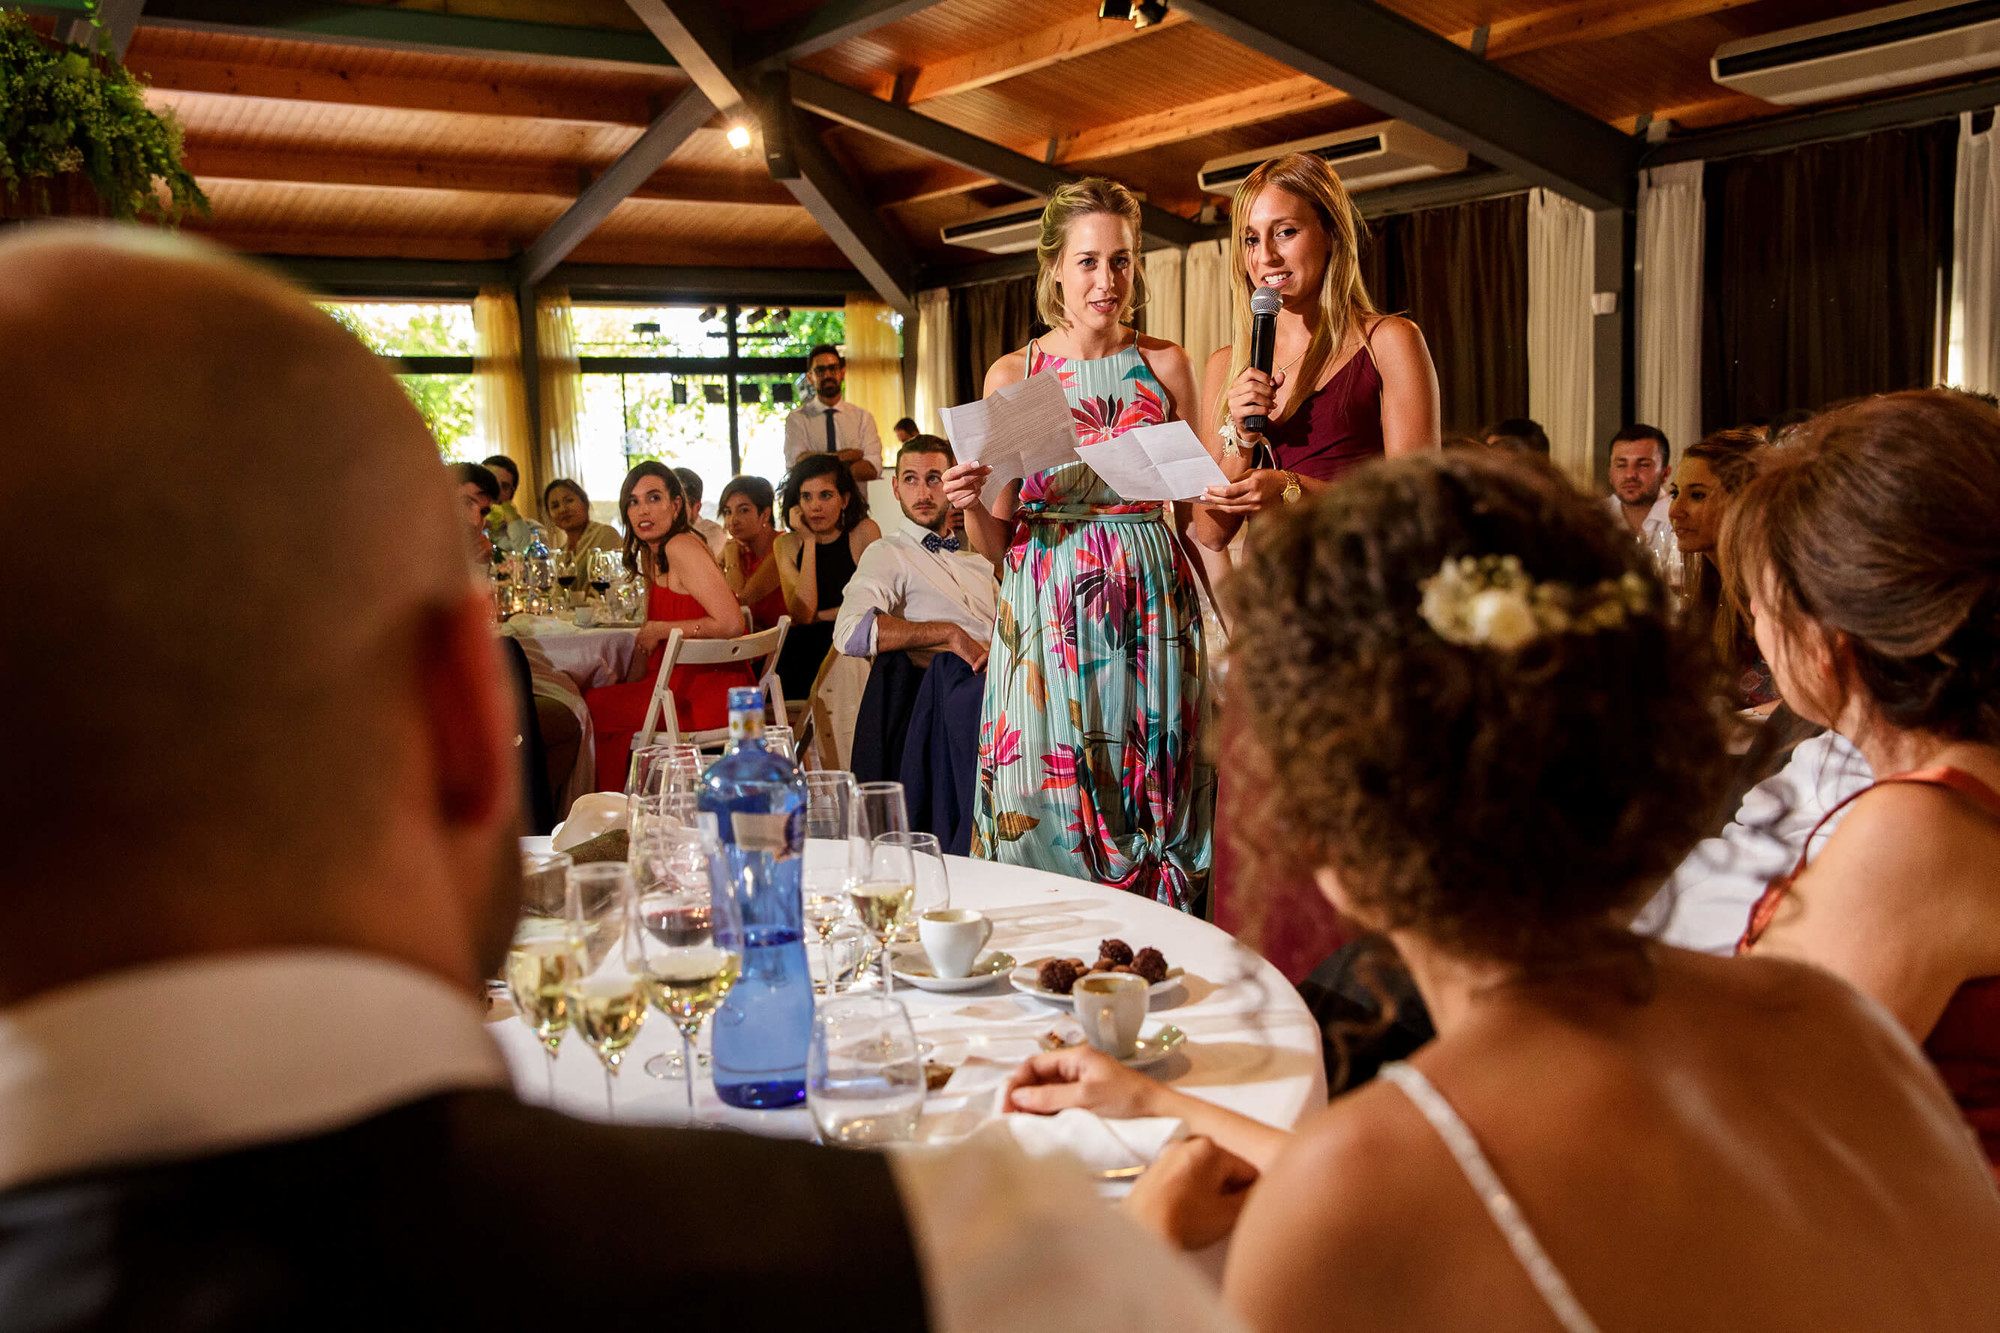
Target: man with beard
263 872
828 423
919 592
1639 472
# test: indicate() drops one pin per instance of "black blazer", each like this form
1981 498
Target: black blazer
468 1210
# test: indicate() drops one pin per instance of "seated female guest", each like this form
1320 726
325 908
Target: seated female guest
1348 384
568 509
1706 483
830 528
746 557
686 594
1869 555
1606 1132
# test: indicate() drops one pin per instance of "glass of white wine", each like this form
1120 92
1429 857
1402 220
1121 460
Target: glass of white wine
864 1072
692 943
932 885
823 879
540 961
607 992
881 872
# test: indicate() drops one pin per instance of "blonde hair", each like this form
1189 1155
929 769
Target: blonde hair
1079 199
1343 297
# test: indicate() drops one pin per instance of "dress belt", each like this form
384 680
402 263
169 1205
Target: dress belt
1086 516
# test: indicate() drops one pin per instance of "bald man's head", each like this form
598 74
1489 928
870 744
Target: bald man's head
247 536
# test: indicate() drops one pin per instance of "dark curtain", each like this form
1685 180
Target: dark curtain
988 321
1821 272
1461 274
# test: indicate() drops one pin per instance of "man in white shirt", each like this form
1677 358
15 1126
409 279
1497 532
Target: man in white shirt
705 528
828 423
1640 467
245 1081
919 591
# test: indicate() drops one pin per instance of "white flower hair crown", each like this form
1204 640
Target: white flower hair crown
1488 601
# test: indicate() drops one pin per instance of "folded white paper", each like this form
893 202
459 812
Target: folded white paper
1017 431
1100 1144
1163 462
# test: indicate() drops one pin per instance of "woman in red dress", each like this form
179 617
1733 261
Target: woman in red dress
1868 553
687 593
1348 384
745 507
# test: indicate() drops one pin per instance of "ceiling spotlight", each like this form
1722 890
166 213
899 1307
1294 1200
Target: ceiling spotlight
1146 13
1115 9
739 136
646 328
680 393
783 314
712 393
757 316
707 314
748 393
782 392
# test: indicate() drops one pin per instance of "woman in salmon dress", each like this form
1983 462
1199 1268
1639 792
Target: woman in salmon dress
686 592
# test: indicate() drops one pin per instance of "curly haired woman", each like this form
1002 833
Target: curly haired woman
1606 1132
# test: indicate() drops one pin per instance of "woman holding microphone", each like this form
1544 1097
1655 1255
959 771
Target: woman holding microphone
1090 758
1348 384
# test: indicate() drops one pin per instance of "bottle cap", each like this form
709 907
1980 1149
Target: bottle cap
746 698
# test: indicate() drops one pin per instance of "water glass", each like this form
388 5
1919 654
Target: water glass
823 877
864 1074
692 939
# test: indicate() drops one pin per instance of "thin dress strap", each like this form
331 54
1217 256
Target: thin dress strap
1500 1205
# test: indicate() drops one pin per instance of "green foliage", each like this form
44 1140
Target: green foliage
65 110
446 402
398 329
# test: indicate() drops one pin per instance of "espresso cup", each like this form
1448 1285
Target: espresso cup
953 937
1110 1006
585 617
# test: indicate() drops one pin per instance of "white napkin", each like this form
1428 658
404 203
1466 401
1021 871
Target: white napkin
1100 1144
592 815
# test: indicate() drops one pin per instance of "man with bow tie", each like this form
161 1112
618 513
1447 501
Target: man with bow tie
918 592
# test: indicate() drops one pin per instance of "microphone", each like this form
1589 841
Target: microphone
1264 303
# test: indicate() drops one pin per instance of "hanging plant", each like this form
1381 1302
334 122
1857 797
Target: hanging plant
68 115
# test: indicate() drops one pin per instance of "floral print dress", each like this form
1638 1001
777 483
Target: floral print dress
1090 758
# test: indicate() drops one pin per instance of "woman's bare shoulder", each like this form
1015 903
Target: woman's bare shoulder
1394 334
1009 369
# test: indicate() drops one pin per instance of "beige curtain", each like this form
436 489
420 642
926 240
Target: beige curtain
1561 245
875 363
1206 303
500 391
1162 315
933 358
1668 318
1974 354
562 387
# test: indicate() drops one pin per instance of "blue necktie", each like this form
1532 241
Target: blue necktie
934 543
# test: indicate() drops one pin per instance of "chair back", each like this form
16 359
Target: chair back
760 649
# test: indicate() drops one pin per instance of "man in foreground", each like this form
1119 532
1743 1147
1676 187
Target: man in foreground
244 1079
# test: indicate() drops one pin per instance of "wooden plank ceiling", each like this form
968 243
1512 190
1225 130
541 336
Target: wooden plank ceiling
311 147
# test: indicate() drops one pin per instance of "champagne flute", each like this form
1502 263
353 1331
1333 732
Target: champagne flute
881 875
823 878
932 887
864 1075
693 942
607 994
540 961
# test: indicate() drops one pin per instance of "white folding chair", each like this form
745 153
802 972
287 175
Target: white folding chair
762 647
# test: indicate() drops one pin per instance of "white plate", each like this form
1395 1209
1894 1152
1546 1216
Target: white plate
1155 1048
1026 980
914 966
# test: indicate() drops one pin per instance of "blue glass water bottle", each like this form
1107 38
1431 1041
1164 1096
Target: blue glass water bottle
764 1025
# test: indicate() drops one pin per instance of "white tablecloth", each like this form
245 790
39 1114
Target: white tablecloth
1252 1046
590 657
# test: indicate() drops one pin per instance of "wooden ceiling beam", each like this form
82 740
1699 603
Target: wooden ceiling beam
560 180
1027 53
1588 21
205 78
1246 106
828 25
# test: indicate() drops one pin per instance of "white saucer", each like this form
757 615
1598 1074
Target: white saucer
913 965
1155 1048
1026 979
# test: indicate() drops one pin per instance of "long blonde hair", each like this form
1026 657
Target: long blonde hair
1343 297
1078 199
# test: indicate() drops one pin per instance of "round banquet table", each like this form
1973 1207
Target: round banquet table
594 656
1251 1045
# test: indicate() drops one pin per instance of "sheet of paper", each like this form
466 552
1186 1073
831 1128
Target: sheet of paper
1017 431
1163 462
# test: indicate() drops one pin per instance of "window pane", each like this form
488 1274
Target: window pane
408 328
626 418
446 402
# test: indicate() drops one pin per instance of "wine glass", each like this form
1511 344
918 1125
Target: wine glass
685 765
864 1075
692 942
566 575
540 961
641 778
931 890
663 848
823 877
881 874
780 741
607 994
605 566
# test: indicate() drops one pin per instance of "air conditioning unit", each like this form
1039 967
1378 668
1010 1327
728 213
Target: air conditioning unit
1007 230
1366 158
1882 48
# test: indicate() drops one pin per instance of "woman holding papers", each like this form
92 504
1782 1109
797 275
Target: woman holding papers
1090 758
1347 385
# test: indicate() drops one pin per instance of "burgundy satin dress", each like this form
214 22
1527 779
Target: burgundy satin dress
1333 432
